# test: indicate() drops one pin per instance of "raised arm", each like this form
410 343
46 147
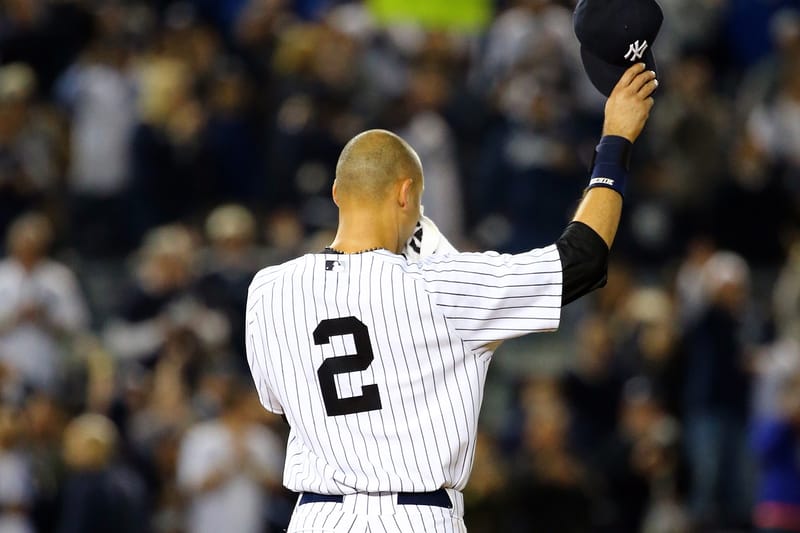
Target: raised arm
627 110
585 244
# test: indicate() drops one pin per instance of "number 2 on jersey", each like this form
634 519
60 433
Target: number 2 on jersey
370 398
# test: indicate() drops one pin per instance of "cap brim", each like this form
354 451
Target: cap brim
605 75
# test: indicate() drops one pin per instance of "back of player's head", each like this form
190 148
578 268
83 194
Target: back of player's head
372 161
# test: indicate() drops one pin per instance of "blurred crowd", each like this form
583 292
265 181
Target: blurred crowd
155 154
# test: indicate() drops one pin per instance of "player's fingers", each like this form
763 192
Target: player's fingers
630 74
648 88
641 80
650 102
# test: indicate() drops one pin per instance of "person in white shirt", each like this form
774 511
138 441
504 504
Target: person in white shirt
227 467
40 303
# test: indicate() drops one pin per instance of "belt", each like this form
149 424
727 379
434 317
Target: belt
437 498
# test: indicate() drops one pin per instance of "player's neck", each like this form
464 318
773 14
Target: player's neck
359 231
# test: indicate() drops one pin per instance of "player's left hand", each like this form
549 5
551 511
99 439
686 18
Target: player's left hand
629 105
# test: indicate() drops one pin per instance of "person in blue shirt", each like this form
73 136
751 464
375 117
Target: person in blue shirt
776 442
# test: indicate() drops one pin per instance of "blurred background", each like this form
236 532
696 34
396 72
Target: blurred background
155 154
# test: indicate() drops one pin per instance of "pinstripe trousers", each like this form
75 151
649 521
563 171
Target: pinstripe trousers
378 513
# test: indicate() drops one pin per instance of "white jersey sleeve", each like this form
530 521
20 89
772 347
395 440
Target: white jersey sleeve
257 347
488 297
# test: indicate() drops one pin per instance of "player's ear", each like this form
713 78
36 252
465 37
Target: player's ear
333 193
405 193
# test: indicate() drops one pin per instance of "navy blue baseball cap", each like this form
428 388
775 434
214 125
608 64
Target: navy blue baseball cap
615 34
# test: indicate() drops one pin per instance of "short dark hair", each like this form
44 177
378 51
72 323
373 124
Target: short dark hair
372 161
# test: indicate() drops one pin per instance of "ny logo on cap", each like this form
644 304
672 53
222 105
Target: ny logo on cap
636 51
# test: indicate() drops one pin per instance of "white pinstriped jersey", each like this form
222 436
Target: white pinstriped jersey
379 365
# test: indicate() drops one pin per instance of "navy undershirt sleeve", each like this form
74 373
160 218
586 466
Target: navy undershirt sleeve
584 261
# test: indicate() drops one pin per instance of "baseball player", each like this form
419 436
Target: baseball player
378 363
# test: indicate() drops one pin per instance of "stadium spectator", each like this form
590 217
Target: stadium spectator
691 127
774 125
16 481
654 351
691 296
99 94
100 494
46 35
485 495
761 82
655 458
549 487
29 145
166 167
717 393
44 424
638 466
752 181
232 138
284 235
526 152
231 262
775 439
161 299
228 466
786 296
41 305
593 388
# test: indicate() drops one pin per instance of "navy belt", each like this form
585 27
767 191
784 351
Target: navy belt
437 498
